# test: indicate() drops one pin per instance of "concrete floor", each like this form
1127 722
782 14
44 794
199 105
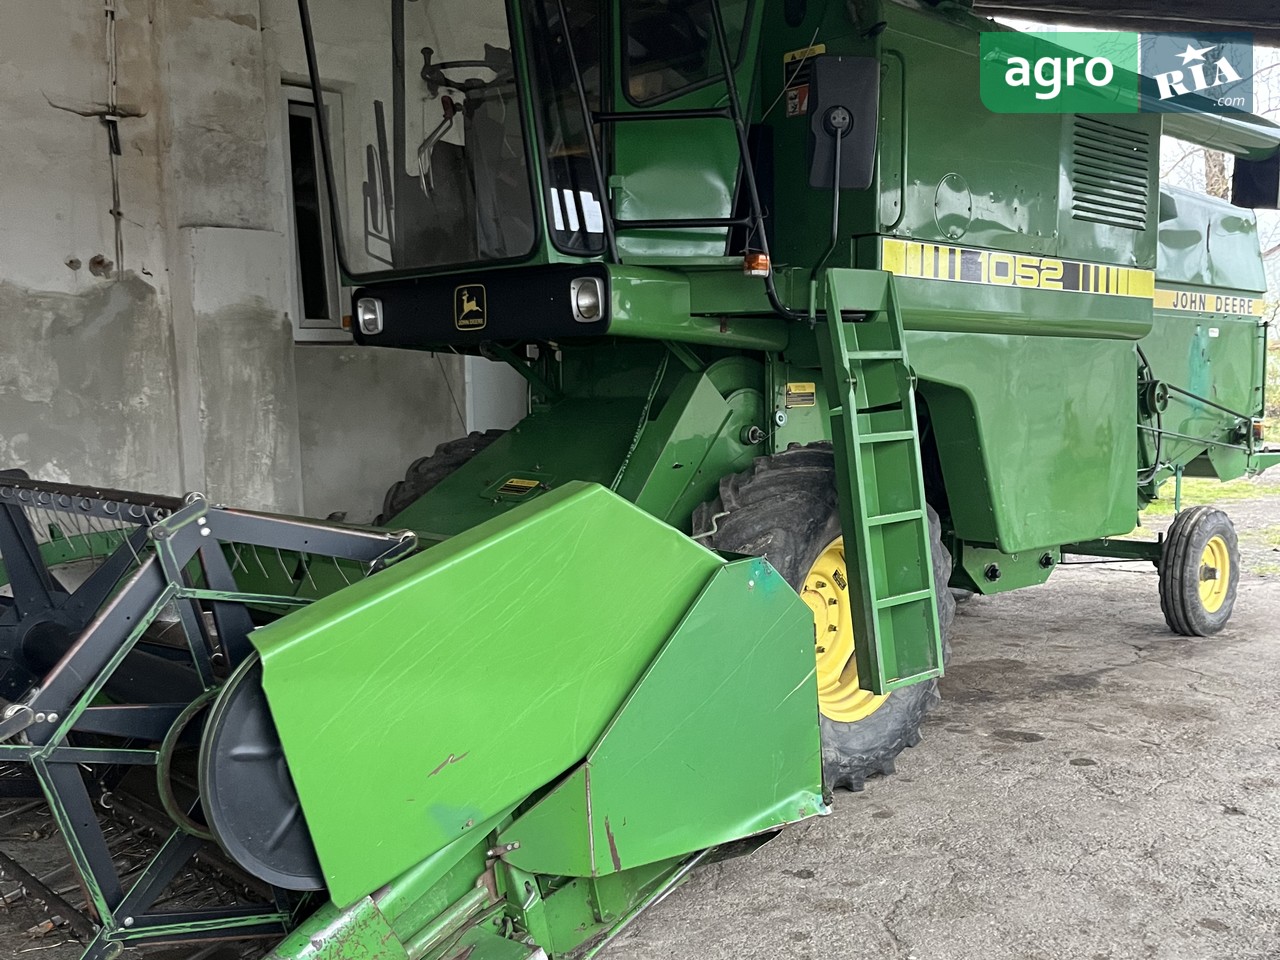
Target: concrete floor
1091 787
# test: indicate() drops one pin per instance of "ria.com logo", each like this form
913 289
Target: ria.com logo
1114 72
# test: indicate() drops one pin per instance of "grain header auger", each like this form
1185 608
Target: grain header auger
808 343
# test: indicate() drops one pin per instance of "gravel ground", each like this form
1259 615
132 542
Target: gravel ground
1091 787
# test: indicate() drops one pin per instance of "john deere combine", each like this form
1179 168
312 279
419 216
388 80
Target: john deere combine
810 336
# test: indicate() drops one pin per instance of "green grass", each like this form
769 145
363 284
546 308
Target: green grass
1268 535
1198 490
1267 569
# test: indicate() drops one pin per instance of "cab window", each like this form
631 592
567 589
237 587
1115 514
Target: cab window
670 45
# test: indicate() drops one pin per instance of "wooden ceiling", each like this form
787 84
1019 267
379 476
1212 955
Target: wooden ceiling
1259 17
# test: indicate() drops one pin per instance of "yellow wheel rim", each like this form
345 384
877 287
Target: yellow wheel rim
1215 574
826 591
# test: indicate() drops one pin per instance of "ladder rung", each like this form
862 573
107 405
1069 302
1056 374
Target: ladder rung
683 223
900 517
899 599
876 355
886 436
705 113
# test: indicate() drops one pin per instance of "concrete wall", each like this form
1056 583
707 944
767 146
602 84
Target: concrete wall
87 377
150 344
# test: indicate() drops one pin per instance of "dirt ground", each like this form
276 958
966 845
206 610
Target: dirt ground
1091 787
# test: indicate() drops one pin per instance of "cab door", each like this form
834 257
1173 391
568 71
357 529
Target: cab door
661 168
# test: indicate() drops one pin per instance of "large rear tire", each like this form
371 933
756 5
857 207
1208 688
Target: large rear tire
784 509
425 472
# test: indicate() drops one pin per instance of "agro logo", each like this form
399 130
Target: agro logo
1115 72
1064 72
1050 73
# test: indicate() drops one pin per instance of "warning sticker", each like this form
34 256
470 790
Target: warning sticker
798 100
800 395
518 486
795 70
804 53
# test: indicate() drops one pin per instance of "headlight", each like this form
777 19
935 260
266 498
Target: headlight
369 315
587 296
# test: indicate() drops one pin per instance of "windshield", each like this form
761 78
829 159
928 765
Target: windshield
429 164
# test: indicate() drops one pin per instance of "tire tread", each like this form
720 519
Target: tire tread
738 521
1179 571
426 472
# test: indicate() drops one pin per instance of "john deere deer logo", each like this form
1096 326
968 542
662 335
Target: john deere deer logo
468 307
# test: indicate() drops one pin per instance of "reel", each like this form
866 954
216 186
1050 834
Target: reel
147 660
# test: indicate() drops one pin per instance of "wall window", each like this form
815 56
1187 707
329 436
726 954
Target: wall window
319 301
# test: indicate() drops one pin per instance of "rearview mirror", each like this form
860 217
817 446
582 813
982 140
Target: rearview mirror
1256 183
844 101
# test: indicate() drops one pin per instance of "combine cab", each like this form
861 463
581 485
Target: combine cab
807 346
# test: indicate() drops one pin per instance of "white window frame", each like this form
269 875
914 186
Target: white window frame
336 328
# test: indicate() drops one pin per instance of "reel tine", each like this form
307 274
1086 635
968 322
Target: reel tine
31 513
39 522
342 573
128 538
306 568
261 566
34 521
71 524
85 532
90 536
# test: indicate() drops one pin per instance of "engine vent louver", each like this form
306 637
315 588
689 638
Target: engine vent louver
1110 174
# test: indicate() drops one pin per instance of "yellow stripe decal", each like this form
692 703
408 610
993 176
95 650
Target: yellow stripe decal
1209 302
932 261
893 257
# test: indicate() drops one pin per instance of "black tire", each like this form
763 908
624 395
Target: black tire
1182 571
784 509
425 472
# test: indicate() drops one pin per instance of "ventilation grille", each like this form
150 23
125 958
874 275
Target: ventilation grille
1110 173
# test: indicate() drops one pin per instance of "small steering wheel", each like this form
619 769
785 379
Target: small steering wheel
434 73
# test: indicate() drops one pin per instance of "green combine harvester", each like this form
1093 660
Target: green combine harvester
812 339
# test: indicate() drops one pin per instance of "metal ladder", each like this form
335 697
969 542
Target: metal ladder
879 480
